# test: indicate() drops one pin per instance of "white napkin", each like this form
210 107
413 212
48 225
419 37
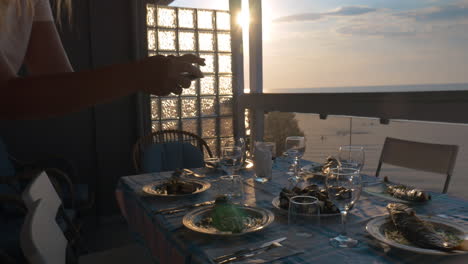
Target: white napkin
262 159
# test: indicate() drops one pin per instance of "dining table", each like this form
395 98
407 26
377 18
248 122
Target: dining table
167 240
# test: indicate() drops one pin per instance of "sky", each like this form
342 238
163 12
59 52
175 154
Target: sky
336 43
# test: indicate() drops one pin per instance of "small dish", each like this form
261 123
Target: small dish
377 227
159 188
257 219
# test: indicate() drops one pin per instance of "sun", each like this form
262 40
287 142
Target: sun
243 19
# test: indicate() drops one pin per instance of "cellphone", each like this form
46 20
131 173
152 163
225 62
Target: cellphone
189 76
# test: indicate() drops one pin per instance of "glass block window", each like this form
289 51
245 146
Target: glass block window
206 108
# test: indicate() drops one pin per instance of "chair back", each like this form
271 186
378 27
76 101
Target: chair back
167 136
42 240
437 158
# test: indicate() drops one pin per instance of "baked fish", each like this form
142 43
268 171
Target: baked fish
417 231
404 192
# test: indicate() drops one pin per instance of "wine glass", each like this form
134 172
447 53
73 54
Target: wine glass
295 148
237 142
352 157
231 159
344 187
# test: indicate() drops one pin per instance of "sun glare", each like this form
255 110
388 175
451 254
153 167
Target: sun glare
243 19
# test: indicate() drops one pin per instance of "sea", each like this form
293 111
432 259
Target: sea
324 137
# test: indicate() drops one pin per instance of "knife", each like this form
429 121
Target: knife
247 251
182 208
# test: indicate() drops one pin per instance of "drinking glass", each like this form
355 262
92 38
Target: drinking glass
344 187
263 156
232 187
295 148
231 159
303 214
352 157
237 142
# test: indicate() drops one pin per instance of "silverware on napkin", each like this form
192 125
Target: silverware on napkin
177 209
249 252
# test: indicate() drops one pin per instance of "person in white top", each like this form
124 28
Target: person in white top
28 36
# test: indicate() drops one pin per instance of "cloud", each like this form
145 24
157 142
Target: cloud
351 11
445 12
341 11
442 19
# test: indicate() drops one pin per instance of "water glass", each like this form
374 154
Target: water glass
263 154
344 186
303 215
352 157
231 159
232 186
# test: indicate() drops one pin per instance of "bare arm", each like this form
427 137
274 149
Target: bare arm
54 90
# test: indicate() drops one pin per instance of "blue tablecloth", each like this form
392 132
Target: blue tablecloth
169 241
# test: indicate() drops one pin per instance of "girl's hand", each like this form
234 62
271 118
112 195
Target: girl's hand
182 72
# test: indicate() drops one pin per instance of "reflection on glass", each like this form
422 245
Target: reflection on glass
209 61
170 125
224 63
189 107
169 108
190 125
151 53
154 126
223 21
166 17
151 39
225 105
224 42
205 41
154 108
207 106
166 39
208 127
226 127
213 144
186 40
150 15
192 90
207 85
205 19
225 85
186 18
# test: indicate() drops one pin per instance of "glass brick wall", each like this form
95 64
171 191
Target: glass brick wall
206 107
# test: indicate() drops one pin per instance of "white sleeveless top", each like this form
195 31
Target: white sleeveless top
16 31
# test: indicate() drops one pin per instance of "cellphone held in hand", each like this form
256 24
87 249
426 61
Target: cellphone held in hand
189 76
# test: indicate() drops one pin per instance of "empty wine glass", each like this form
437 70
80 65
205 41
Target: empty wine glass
237 142
231 159
352 157
295 148
344 187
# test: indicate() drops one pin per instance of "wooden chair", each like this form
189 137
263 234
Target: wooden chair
437 158
165 136
42 240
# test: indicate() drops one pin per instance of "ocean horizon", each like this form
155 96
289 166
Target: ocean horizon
374 88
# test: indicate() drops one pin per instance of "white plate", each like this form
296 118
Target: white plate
192 218
376 228
150 188
276 204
